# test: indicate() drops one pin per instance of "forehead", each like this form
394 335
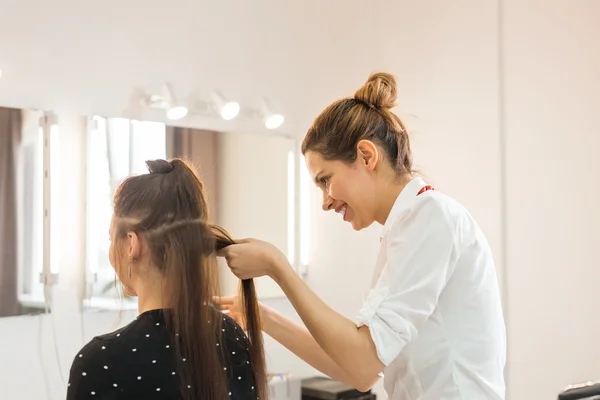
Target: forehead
316 163
319 167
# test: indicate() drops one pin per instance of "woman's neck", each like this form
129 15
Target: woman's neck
389 192
151 294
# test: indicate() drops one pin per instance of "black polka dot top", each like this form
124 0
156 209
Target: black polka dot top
137 362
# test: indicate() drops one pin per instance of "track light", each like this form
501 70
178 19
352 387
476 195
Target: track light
274 121
177 112
271 120
227 109
168 102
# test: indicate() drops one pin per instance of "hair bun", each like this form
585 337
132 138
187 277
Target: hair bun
159 166
379 91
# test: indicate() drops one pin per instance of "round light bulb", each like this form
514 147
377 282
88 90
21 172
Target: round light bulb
230 110
178 112
274 121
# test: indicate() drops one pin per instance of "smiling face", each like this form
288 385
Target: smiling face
349 189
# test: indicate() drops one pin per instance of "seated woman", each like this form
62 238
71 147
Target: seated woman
180 346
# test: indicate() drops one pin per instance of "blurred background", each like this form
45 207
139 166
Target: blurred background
502 99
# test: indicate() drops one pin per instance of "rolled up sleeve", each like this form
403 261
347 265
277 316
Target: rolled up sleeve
421 253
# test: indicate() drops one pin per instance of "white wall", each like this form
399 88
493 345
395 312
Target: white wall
552 103
446 56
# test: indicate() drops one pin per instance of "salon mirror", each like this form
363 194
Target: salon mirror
248 178
24 267
56 213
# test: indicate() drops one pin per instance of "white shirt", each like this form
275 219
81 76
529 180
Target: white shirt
434 309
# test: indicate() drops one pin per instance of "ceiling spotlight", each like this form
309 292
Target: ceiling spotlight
274 121
177 112
168 102
227 109
271 120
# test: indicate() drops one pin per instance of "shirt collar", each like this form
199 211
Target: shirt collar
404 200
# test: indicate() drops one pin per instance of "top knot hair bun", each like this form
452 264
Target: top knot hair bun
159 166
380 91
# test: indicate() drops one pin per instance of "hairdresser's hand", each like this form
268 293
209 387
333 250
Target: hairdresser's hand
232 306
251 258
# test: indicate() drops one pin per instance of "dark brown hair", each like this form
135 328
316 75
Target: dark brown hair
337 130
168 208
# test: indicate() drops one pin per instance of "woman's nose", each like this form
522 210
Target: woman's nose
327 201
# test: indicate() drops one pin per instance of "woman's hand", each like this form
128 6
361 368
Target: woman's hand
232 306
251 258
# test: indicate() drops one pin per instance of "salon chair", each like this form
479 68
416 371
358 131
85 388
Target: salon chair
581 391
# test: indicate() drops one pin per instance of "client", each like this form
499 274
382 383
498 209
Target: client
180 346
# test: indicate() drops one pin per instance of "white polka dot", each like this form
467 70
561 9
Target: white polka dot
217 344
153 361
93 393
115 385
189 386
158 389
225 369
223 330
84 373
133 349
230 393
81 355
173 373
106 367
247 362
184 360
177 334
139 378
147 335
103 348
168 346
239 378
252 387
233 352
157 324
118 334
69 384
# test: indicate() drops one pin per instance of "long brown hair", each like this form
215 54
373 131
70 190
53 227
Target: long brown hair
336 131
168 208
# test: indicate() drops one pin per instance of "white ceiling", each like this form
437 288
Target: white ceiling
89 57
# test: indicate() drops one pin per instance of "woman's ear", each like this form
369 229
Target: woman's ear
367 154
134 246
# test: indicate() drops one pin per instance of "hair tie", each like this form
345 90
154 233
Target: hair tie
159 166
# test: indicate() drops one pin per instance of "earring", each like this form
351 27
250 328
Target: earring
129 267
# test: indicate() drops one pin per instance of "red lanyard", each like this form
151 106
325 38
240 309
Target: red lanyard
424 189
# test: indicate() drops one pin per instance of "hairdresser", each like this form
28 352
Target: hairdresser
432 322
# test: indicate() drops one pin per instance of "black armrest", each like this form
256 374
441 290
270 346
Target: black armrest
581 391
